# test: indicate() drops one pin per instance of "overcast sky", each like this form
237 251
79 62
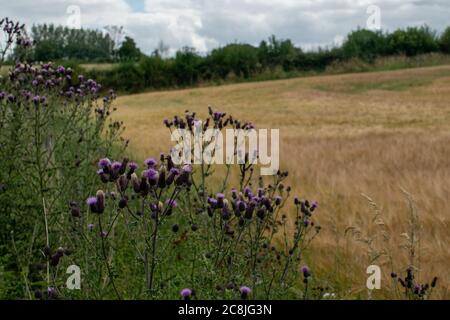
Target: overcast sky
206 24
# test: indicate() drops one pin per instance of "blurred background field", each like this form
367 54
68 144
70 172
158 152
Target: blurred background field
342 137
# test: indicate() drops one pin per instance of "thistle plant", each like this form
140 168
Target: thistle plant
158 231
14 33
54 125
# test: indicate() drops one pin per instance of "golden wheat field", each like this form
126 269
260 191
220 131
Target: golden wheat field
344 138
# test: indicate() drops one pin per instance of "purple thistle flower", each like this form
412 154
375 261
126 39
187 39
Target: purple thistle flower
91 201
36 100
220 200
187 168
248 192
51 293
245 291
90 226
61 69
186 293
166 123
305 270
116 165
212 202
220 196
150 174
172 203
133 166
105 162
150 162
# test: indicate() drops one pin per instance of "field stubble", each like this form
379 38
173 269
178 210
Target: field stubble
341 137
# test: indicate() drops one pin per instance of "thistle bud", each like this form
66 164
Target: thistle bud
100 201
225 213
123 202
75 211
122 183
278 200
173 173
152 176
123 167
433 283
38 294
162 178
249 211
135 183
261 213
144 186
47 251
183 178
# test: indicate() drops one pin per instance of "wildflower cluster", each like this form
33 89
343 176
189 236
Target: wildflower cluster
412 289
14 33
54 126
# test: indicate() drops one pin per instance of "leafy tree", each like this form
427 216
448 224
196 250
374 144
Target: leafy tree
277 52
157 72
55 43
412 41
364 44
444 41
128 51
241 59
186 66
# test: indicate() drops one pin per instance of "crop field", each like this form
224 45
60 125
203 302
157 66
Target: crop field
373 150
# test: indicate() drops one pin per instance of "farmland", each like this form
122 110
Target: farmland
344 138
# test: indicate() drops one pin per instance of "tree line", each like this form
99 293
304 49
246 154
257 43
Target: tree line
136 71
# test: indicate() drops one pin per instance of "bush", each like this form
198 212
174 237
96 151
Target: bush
412 41
444 41
364 44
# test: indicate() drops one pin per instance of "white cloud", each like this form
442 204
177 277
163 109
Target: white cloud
205 24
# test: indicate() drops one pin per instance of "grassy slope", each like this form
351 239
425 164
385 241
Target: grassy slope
341 136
